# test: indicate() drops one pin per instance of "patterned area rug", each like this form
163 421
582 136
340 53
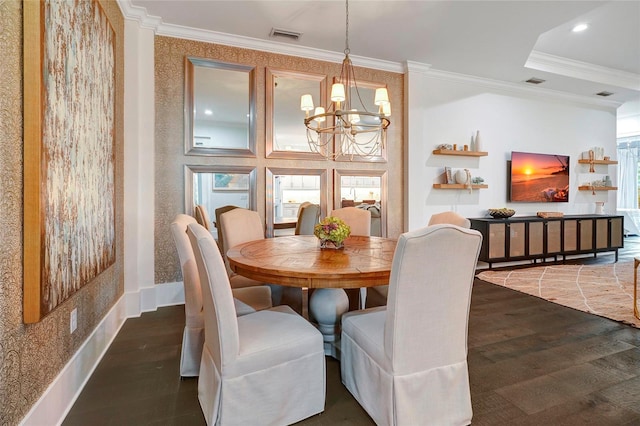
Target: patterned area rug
605 289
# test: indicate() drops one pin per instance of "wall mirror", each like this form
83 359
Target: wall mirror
220 108
218 186
286 135
367 92
286 189
365 189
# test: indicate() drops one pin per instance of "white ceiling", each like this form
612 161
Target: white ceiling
508 41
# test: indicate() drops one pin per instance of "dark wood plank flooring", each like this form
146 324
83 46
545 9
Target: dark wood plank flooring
531 362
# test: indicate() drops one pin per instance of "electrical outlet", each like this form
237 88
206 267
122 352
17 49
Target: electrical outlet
73 320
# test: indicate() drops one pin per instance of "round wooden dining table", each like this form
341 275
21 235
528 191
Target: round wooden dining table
298 261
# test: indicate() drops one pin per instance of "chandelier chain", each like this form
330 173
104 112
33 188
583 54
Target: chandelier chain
346 42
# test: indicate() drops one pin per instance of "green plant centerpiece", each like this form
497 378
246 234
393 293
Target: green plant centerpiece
332 231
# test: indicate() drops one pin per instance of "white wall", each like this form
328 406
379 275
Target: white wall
448 108
629 119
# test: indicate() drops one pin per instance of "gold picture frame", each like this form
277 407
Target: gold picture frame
69 150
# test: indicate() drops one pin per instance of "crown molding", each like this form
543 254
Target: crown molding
139 14
568 67
155 23
520 89
418 67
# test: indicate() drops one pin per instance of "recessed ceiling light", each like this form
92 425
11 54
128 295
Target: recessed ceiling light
208 112
579 28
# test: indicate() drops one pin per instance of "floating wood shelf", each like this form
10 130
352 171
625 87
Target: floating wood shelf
597 188
457 186
583 161
460 153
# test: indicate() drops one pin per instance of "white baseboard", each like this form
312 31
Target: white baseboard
59 397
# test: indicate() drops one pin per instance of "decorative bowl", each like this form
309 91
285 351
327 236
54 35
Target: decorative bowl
501 213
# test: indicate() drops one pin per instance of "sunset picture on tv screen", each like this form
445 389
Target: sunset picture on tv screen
539 177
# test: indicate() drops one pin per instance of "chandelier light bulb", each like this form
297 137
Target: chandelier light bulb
382 96
306 103
337 92
319 111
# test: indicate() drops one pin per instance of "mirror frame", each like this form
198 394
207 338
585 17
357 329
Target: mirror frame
382 174
274 171
382 158
189 102
271 75
191 169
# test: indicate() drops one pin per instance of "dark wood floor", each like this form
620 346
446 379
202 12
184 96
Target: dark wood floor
531 362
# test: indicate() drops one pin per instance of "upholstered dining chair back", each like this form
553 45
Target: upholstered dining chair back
417 345
449 217
218 212
202 216
359 220
240 226
246 300
266 367
193 335
308 216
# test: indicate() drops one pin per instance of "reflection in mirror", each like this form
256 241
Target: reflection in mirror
367 91
286 190
219 108
218 186
365 189
286 133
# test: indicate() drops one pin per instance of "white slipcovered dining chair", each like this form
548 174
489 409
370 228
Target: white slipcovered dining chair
267 367
239 226
246 300
202 216
308 217
378 295
406 363
359 220
450 217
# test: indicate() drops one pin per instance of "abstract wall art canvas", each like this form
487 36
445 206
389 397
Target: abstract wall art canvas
69 154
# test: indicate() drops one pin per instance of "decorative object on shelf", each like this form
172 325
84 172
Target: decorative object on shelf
463 177
599 207
472 144
502 213
445 146
546 215
592 168
332 231
448 176
342 121
477 142
598 152
477 180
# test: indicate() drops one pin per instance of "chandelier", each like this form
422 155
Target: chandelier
346 123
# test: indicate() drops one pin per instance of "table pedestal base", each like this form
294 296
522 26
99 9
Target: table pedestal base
326 307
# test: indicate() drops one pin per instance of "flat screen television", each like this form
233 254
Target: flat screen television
539 178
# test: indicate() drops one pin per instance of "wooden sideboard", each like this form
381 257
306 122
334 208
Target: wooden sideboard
533 237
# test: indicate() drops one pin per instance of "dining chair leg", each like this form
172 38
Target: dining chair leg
305 302
363 297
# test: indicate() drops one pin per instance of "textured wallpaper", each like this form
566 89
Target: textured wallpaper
169 140
31 356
